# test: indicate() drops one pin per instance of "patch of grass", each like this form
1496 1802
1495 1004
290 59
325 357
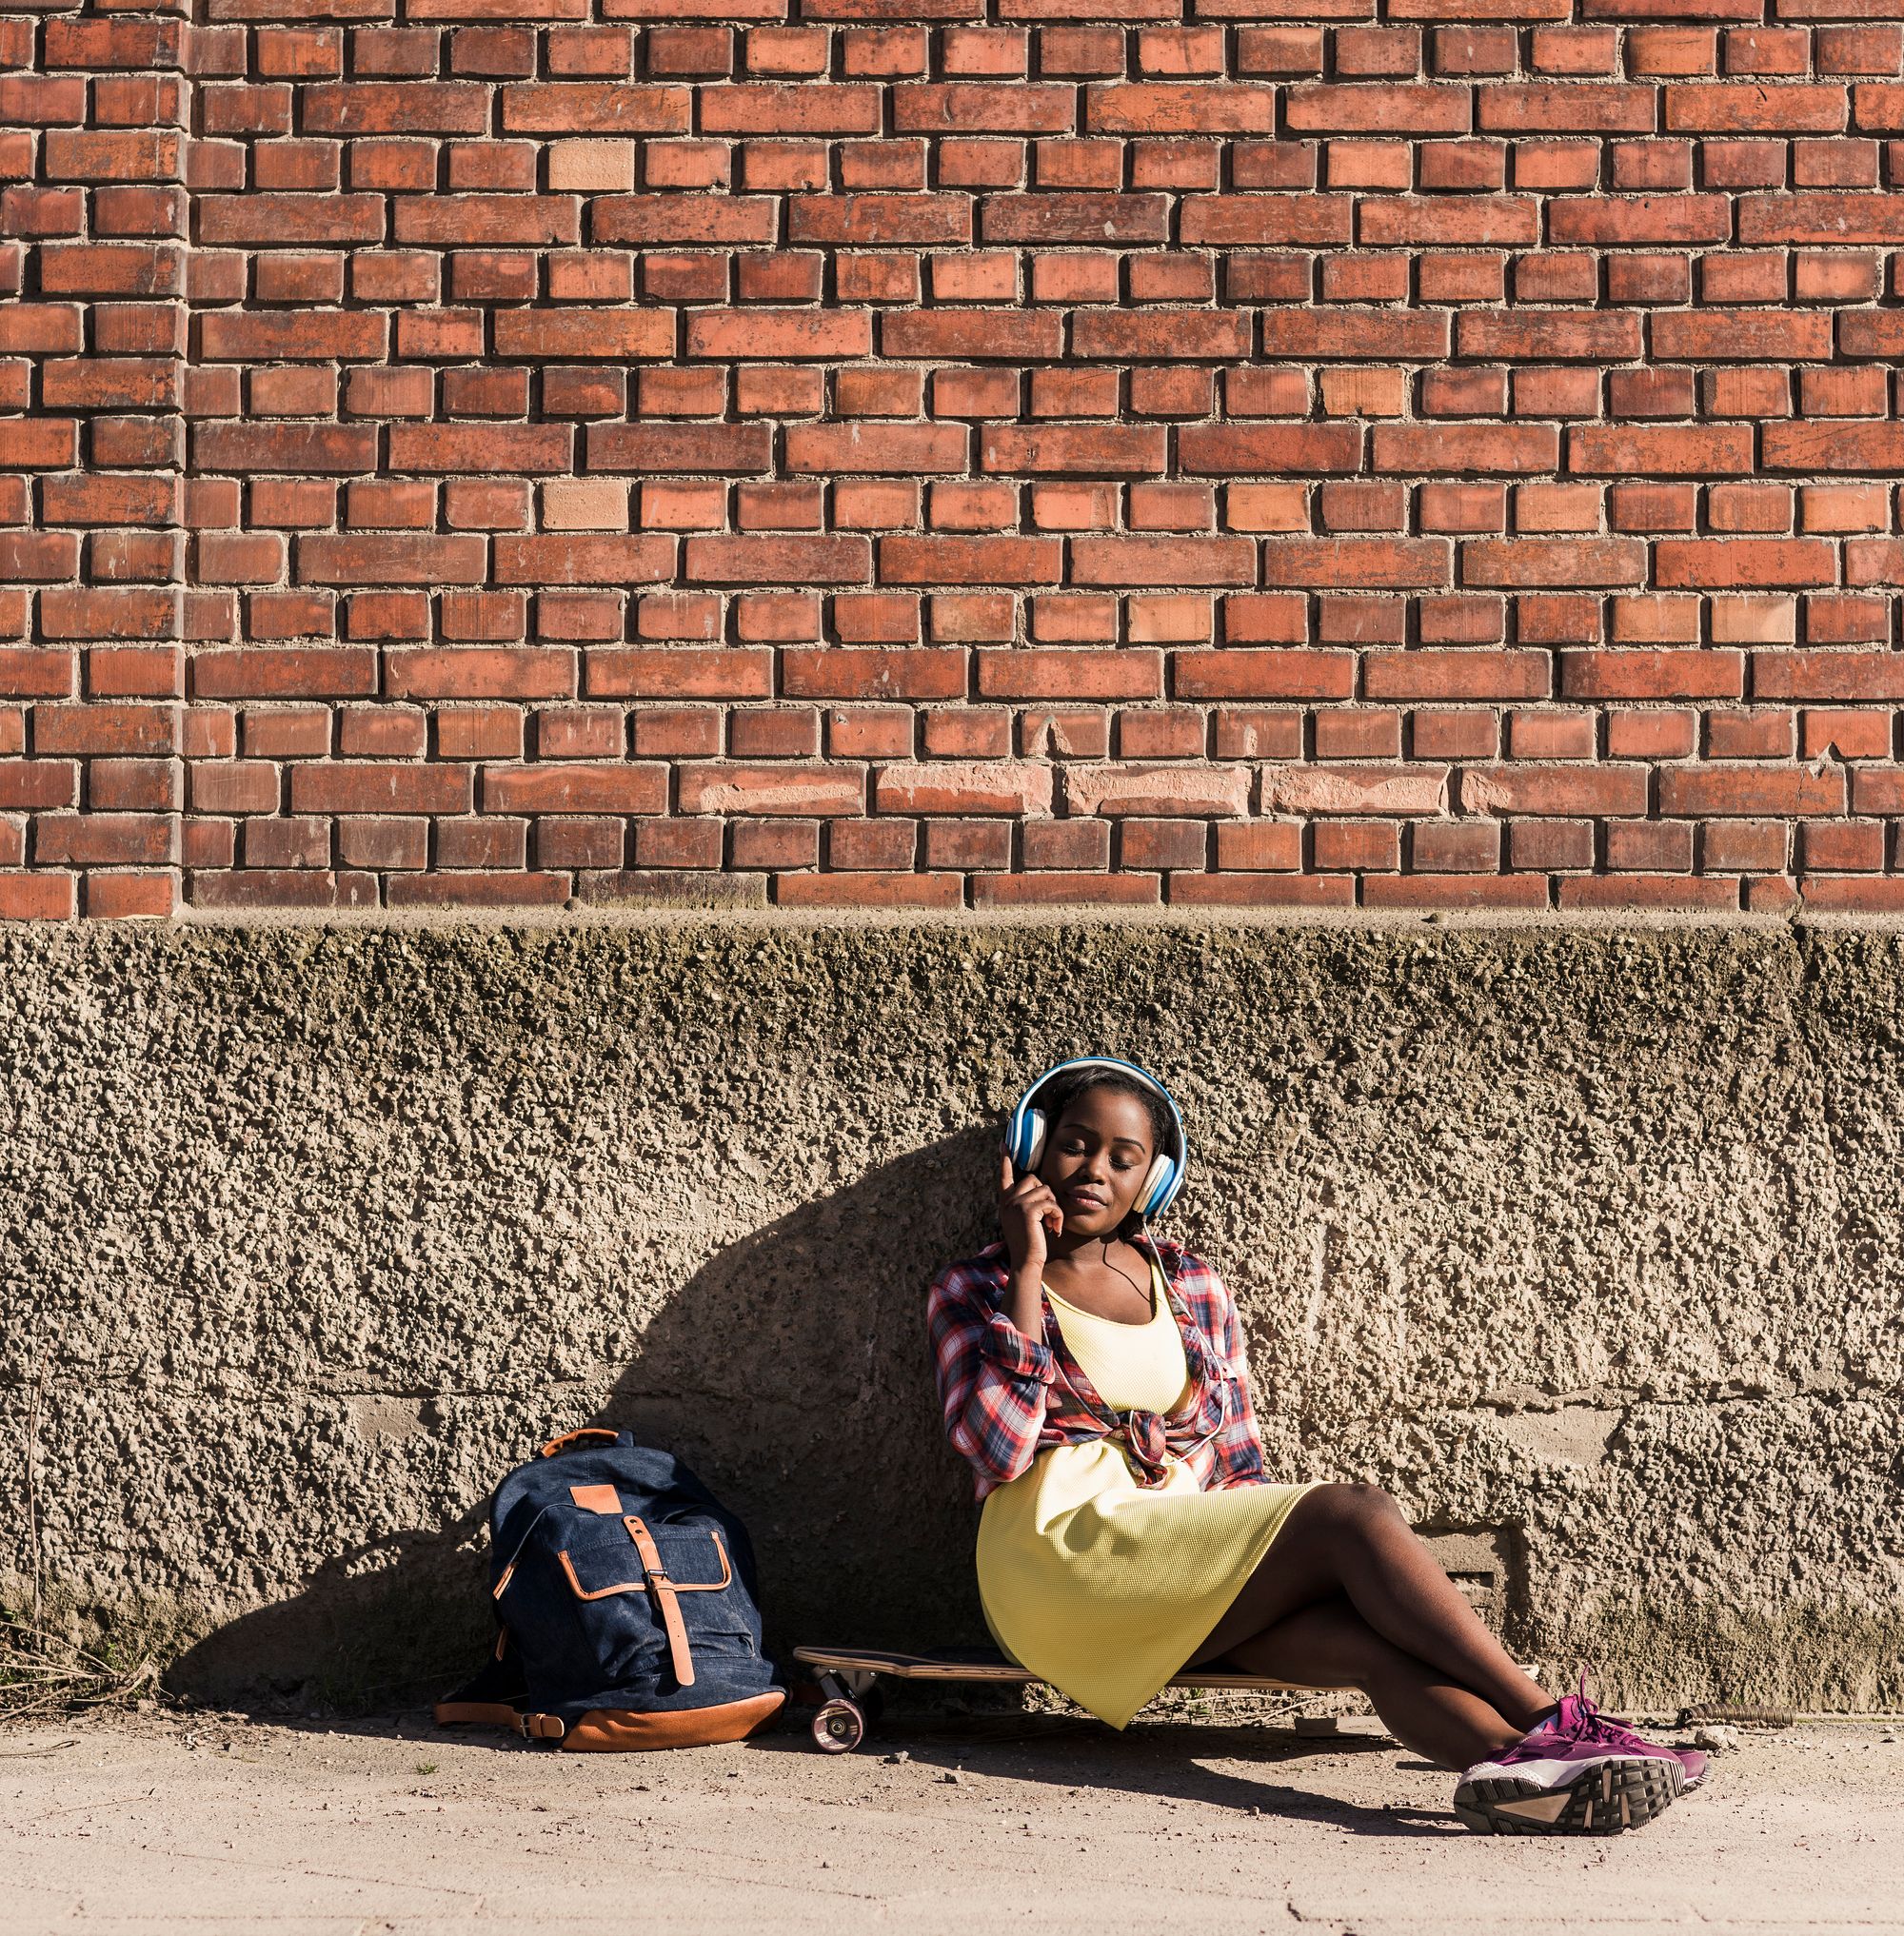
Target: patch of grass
426 1767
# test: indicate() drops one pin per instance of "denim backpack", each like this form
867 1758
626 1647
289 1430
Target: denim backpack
625 1596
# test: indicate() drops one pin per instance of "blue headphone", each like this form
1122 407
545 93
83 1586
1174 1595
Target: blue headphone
1026 1132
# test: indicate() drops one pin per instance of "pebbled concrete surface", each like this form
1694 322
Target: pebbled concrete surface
162 1825
1582 1241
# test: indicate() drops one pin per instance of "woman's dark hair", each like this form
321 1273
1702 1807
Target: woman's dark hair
1063 1091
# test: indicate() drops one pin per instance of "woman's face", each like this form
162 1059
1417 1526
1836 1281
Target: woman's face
1096 1158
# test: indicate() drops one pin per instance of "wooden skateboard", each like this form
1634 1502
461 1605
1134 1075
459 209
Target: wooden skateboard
849 1677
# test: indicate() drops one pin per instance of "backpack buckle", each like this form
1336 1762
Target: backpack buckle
541 1727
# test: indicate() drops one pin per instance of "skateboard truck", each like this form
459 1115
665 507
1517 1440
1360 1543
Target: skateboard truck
840 1725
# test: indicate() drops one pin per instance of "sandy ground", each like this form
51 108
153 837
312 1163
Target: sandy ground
164 1821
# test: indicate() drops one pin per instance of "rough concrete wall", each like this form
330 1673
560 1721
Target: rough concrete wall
1584 1243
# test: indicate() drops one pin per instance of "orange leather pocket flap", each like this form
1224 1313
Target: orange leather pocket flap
694 1559
598 1568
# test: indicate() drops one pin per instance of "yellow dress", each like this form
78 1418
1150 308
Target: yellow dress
1099 1587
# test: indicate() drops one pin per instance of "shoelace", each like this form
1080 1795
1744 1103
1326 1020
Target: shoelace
1589 1723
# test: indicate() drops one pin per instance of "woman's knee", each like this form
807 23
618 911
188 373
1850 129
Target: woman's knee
1358 1507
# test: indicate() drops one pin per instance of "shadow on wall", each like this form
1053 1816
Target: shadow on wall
792 1373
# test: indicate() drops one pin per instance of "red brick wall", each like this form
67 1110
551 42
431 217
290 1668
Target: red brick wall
1380 452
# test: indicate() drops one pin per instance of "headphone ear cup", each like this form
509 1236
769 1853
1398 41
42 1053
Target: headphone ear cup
1156 1184
1030 1146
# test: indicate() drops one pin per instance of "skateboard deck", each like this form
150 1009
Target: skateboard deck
984 1664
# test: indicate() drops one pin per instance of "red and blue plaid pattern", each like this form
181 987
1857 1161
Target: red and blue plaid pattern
1007 1396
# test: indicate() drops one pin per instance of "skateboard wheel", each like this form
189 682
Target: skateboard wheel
839 1727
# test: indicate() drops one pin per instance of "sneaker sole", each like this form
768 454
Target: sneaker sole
1606 1799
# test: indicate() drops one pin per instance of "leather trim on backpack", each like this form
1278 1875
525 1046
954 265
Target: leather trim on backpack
653 1564
582 1593
476 1714
679 1652
726 1578
587 1434
610 1730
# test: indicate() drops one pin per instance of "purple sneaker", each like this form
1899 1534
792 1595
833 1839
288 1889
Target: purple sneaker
1692 1760
1576 1774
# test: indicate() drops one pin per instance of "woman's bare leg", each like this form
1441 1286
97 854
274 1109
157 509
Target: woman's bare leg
1329 1645
1352 1542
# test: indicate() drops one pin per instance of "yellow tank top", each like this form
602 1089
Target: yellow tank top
1132 1366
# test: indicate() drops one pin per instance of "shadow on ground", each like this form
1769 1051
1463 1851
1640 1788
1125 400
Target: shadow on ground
1169 1761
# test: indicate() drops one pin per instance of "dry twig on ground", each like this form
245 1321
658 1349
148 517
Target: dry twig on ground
42 1673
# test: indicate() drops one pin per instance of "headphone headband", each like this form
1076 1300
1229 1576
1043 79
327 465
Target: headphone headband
1026 1131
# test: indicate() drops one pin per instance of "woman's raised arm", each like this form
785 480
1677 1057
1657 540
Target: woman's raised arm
993 1379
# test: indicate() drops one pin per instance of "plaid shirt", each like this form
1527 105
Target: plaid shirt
1007 1397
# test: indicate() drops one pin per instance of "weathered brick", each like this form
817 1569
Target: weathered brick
1348 788
1828 217
486 221
583 559
683 218
382 786
768 334
389 557
585 333
969 561
782 788
595 107
396 108
1428 109
278 220
472 672
556 788
974 786
778 560
1056 218
881 220
481 448
871 672
1128 787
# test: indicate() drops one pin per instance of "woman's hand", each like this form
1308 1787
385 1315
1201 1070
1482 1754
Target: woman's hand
1029 1213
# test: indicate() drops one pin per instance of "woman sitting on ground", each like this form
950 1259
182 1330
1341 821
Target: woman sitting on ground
1094 1379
